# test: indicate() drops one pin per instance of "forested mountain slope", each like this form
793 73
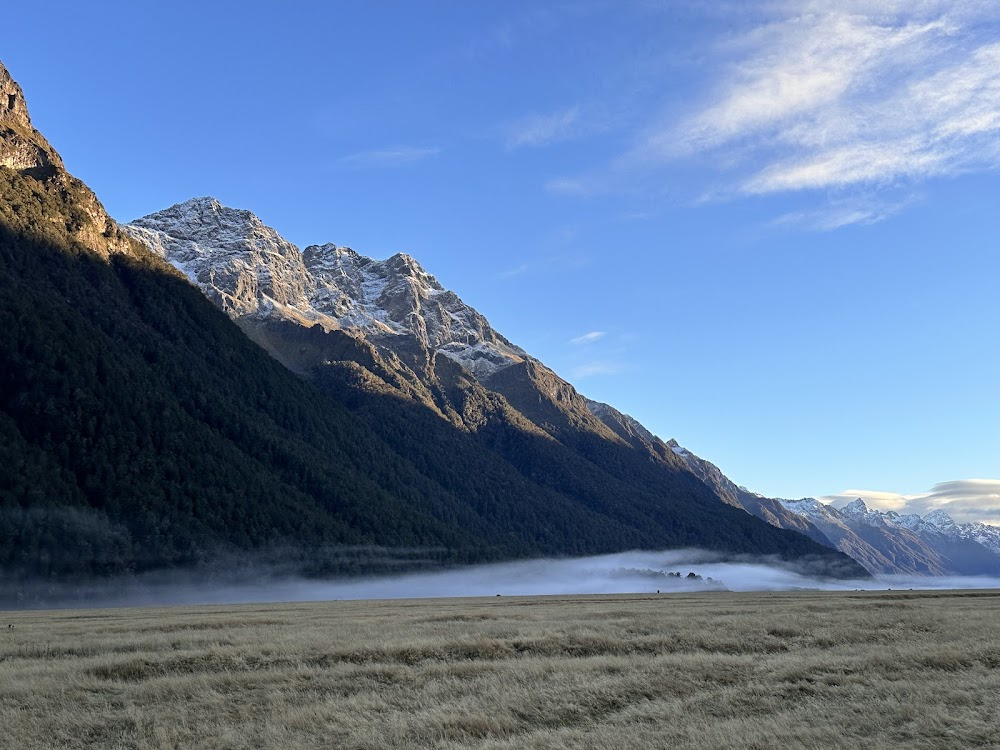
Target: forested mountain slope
140 428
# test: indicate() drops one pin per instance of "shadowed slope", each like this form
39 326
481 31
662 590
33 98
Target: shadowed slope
141 428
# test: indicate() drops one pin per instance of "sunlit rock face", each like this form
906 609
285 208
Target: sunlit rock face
243 265
26 152
251 271
22 148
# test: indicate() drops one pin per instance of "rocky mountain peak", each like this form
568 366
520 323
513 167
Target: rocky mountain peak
940 519
314 253
243 265
22 148
406 267
856 507
251 271
207 218
83 222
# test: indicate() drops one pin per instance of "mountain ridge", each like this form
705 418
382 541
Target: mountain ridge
970 549
400 338
142 428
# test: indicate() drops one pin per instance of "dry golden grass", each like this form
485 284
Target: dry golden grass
713 670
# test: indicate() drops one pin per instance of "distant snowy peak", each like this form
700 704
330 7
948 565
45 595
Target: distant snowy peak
984 534
253 272
933 526
937 521
812 510
855 509
677 448
940 519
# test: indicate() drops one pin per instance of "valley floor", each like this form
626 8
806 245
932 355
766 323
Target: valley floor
711 670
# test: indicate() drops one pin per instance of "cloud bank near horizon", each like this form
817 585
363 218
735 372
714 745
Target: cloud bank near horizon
966 500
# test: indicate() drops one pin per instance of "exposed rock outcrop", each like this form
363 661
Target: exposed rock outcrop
82 220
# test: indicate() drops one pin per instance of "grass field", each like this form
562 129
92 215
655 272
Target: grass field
711 670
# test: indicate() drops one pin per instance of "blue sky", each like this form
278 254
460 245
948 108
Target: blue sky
766 228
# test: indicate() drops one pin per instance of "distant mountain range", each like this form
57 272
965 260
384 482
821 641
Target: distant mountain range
887 542
391 427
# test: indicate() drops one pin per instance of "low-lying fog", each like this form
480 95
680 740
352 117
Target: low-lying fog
628 572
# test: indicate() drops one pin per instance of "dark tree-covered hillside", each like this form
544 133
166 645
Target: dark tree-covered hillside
140 428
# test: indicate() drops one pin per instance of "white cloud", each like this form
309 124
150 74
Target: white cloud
539 130
964 500
869 96
846 94
865 209
393 156
588 338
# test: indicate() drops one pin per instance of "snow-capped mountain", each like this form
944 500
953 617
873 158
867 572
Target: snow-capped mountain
984 534
388 326
888 542
935 523
252 272
881 549
964 541
281 296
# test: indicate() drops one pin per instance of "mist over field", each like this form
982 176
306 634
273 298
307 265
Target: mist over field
628 572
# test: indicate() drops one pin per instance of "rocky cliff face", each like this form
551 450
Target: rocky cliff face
33 165
252 272
405 327
22 148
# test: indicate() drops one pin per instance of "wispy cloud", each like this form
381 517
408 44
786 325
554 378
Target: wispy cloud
588 338
597 367
542 129
831 96
868 98
516 271
393 156
964 500
864 209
